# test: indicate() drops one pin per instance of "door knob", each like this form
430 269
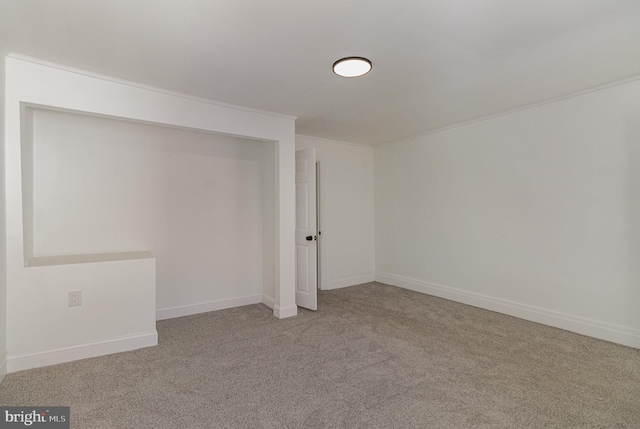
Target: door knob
309 237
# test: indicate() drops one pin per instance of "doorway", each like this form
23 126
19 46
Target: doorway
306 229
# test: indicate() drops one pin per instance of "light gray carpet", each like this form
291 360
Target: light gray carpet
372 356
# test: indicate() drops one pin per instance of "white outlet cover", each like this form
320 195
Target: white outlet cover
75 298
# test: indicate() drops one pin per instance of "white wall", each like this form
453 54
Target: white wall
119 310
268 222
534 213
194 200
3 239
346 209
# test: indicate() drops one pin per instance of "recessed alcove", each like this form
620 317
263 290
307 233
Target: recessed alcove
103 189
148 202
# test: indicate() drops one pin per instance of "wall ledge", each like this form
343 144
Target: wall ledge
592 328
82 351
42 261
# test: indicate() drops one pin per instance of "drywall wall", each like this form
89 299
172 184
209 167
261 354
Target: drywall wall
3 239
533 213
346 211
41 328
117 312
268 223
192 199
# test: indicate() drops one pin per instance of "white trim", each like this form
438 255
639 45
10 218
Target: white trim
268 301
3 369
284 312
510 111
205 307
143 86
592 328
348 281
334 141
68 354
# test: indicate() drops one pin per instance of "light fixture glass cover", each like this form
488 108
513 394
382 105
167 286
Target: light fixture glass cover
352 67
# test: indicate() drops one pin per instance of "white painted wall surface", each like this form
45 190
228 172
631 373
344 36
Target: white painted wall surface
3 239
194 200
118 309
30 294
346 208
268 224
533 213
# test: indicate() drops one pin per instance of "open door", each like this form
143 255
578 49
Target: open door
306 233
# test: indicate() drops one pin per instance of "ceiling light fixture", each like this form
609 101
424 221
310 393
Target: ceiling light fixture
352 67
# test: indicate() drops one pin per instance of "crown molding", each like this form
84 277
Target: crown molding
143 86
335 141
515 110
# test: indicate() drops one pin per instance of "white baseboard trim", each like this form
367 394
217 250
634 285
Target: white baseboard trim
348 281
3 369
592 328
68 354
205 307
284 312
268 301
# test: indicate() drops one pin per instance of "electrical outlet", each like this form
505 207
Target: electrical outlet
75 298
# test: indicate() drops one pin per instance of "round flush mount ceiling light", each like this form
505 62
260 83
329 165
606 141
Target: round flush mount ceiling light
352 67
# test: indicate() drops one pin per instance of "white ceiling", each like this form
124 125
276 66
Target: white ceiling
435 62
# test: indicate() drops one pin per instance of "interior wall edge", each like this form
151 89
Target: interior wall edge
268 301
4 50
592 328
3 231
348 281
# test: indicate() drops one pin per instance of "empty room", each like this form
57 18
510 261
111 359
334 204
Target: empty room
320 214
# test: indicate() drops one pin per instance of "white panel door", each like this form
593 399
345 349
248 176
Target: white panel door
306 233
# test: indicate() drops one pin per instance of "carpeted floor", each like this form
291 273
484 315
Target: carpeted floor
372 356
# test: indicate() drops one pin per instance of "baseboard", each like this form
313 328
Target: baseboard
284 312
348 281
188 310
592 328
3 369
268 301
68 354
